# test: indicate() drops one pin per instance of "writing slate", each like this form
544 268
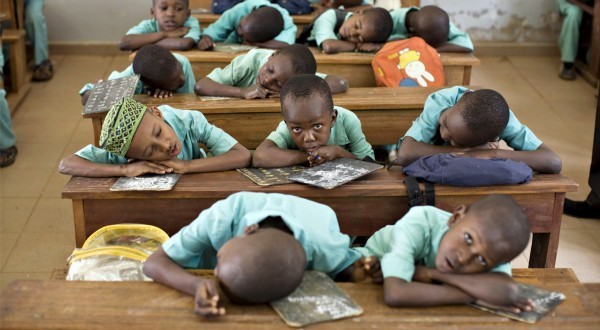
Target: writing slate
544 301
149 182
317 299
107 93
336 172
270 176
232 48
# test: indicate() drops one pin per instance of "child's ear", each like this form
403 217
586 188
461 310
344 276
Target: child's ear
251 229
155 111
496 139
333 117
459 213
152 11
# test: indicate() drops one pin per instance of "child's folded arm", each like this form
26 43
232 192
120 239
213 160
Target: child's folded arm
271 44
269 154
136 41
207 86
411 150
177 43
237 157
542 160
337 84
398 292
332 46
78 166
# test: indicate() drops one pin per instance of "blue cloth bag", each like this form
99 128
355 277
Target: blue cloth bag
469 172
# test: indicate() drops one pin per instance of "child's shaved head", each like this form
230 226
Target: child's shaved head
186 3
157 67
485 113
262 24
263 266
303 87
302 59
381 22
433 25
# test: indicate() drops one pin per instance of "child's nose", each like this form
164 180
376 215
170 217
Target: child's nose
309 137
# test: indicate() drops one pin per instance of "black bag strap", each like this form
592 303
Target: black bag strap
416 196
340 16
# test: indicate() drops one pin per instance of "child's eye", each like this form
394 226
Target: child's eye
159 131
318 126
468 239
482 261
296 129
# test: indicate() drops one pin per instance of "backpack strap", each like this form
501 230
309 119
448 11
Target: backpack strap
416 196
340 16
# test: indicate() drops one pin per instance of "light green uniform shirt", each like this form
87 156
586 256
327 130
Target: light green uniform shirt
413 240
399 31
151 26
243 69
425 128
314 225
346 133
225 28
191 128
188 85
324 26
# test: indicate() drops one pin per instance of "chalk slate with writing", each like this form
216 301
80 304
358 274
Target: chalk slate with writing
150 182
317 299
270 176
544 301
109 92
336 172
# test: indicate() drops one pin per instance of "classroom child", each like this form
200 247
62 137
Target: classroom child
432 257
8 139
261 73
433 25
37 33
171 27
313 130
471 123
253 22
364 31
136 140
162 73
259 245
568 40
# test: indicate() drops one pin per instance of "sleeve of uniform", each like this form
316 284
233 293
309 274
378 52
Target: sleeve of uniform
188 73
425 127
281 136
288 34
194 32
502 268
100 156
358 142
409 238
216 140
518 136
231 75
324 26
144 27
223 26
458 37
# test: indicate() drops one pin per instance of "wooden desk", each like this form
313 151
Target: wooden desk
206 19
355 67
363 206
28 304
385 113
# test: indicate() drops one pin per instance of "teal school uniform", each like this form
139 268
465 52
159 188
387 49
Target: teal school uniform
314 225
225 28
413 240
7 135
399 31
323 27
188 86
568 40
243 69
346 133
191 128
426 127
151 26
36 29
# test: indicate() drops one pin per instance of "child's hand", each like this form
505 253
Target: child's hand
255 92
177 33
140 167
423 274
369 47
206 43
159 93
176 165
523 304
207 299
322 154
368 267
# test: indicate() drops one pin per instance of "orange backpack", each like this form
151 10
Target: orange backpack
408 63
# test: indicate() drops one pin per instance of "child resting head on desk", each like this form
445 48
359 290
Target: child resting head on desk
259 245
262 72
470 123
162 73
364 31
253 22
313 130
432 257
171 26
433 25
136 140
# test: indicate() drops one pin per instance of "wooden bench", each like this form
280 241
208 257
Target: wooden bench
363 206
355 67
385 113
19 80
29 304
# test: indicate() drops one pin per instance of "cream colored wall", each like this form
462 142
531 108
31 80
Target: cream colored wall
102 21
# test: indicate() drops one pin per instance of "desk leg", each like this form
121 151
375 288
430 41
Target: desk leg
467 75
79 221
544 246
97 127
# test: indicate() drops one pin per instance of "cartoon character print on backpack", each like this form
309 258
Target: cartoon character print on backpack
409 61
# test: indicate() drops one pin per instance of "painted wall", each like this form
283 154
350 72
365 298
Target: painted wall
488 20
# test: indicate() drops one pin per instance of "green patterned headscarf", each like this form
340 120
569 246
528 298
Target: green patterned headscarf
120 125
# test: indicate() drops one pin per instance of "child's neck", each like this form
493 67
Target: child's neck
410 17
276 223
